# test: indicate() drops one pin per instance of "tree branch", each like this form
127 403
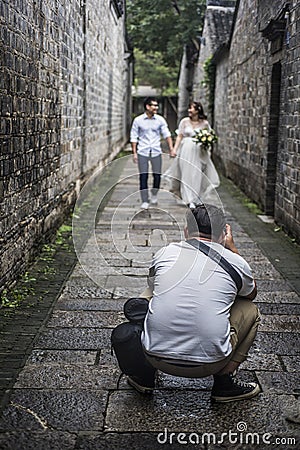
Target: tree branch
175 5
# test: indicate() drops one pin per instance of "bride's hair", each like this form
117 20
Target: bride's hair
199 108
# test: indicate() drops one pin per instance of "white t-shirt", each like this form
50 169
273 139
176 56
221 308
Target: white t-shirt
188 317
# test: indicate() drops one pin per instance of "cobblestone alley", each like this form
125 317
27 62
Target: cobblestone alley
67 396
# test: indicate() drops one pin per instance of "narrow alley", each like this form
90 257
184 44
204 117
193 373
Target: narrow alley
69 395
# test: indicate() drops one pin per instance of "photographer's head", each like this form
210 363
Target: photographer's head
206 221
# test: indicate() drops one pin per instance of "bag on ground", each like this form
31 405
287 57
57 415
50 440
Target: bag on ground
126 342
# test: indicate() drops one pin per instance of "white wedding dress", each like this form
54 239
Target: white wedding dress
192 174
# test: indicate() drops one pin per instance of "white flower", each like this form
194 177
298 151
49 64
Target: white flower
205 137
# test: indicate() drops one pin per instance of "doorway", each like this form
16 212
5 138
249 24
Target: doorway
272 153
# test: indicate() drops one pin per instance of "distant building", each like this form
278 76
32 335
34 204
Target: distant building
254 50
216 32
186 77
167 105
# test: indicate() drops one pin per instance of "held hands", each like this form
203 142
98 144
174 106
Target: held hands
172 153
229 243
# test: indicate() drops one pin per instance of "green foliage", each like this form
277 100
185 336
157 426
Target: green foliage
47 253
24 289
151 69
160 29
12 298
252 206
61 236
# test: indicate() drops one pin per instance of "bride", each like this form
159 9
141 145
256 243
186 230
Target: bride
193 174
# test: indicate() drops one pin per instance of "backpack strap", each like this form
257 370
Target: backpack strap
215 256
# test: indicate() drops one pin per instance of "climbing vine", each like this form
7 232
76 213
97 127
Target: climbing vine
24 289
209 82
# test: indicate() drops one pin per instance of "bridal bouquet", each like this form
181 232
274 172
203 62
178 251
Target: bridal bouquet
205 137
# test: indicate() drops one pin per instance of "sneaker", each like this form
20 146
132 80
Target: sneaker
192 205
145 205
138 385
153 200
227 389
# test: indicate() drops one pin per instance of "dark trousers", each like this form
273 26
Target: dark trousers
143 164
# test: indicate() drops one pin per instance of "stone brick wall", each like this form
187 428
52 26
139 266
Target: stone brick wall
287 195
246 114
64 87
184 87
222 122
257 108
206 51
216 30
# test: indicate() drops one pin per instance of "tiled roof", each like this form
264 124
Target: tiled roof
219 22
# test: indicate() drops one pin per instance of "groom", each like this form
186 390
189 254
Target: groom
145 136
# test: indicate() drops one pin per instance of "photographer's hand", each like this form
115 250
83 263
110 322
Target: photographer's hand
229 243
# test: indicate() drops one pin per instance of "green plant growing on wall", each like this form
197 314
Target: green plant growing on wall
12 298
208 82
25 289
61 236
254 208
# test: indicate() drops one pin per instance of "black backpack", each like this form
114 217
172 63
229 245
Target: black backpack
126 341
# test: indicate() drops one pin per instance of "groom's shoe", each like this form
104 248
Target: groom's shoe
153 200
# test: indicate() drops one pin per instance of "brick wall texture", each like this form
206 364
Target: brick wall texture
64 87
185 82
257 107
216 30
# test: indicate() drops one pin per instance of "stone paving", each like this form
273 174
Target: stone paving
69 394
